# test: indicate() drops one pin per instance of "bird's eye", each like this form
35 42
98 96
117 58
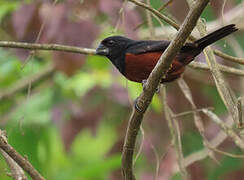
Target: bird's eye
110 43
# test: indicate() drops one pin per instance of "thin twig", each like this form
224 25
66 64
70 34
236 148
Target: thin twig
215 142
197 119
32 53
159 9
24 83
179 150
239 107
224 91
157 13
121 17
22 162
145 98
165 5
175 133
157 162
48 47
17 172
187 93
223 68
191 111
228 130
228 57
226 153
141 145
149 22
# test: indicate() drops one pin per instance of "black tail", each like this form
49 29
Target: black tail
215 36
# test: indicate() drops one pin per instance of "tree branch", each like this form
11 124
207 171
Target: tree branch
215 142
22 162
228 57
145 98
228 98
175 134
223 68
17 172
48 47
227 129
23 83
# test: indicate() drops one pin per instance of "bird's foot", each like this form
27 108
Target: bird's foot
143 82
158 89
136 106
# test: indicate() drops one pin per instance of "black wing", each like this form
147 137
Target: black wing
139 47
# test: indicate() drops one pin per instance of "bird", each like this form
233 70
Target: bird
135 59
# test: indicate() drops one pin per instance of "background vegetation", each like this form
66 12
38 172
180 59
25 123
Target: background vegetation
71 122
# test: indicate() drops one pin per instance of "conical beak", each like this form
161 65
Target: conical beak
102 50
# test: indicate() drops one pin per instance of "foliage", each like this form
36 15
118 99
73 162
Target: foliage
71 125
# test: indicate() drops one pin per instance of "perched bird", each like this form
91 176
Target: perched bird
136 59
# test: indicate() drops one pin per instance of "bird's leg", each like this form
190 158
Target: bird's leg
144 83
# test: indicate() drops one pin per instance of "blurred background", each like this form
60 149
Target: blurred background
68 112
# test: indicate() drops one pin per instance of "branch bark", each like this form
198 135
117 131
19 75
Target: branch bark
145 98
21 161
17 172
48 47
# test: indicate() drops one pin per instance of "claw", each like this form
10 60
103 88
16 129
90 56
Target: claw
136 106
158 89
143 82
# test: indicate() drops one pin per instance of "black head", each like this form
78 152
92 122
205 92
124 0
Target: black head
114 47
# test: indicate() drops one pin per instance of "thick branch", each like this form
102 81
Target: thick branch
145 98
